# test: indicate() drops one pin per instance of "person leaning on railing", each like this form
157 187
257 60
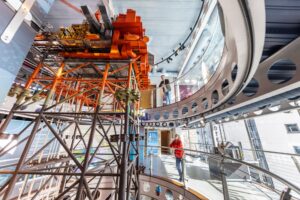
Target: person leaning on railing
165 85
177 144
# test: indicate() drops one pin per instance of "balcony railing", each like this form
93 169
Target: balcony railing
217 176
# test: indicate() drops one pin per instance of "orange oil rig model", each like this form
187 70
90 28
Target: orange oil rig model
98 55
87 78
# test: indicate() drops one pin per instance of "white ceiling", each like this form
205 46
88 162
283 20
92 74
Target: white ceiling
62 15
167 23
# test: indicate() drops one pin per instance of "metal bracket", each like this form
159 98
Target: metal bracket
16 21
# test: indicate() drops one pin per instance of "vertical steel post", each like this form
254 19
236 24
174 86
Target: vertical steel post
92 133
212 134
124 160
13 179
183 171
21 98
224 181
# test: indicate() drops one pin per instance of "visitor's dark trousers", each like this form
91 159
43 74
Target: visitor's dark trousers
179 166
168 97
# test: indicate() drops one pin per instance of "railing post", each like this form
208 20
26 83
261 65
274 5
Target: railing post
177 91
183 171
223 179
150 167
285 195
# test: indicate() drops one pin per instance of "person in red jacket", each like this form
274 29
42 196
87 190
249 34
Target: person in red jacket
177 144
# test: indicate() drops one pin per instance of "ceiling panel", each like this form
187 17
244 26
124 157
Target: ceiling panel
167 22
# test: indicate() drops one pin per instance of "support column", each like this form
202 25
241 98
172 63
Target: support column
35 129
124 161
21 98
224 181
91 138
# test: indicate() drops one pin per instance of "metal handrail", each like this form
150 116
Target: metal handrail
265 151
218 156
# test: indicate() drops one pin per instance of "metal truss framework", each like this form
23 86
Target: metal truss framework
99 110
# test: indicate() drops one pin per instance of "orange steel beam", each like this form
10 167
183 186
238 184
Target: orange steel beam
119 69
76 68
78 79
49 68
33 75
128 43
129 75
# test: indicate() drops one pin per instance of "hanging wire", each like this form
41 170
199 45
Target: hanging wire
181 45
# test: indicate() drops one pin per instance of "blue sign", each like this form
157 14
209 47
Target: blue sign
152 140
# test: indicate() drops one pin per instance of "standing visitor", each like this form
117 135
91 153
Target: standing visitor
177 144
165 84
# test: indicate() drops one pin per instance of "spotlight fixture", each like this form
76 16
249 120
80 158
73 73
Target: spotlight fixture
175 52
182 47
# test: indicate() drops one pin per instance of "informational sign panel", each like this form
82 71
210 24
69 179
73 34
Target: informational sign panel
152 140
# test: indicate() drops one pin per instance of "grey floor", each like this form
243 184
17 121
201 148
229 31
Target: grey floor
200 179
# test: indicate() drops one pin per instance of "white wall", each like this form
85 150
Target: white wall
273 133
274 137
236 132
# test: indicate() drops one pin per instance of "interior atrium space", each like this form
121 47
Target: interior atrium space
149 100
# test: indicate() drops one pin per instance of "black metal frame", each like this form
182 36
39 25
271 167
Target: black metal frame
72 176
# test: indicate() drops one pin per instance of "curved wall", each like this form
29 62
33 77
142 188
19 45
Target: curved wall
239 62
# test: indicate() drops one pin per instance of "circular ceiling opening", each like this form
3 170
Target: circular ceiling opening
185 110
251 88
166 115
234 73
225 87
215 97
175 113
156 116
282 71
205 103
194 106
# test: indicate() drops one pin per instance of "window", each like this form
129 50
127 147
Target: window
292 128
297 149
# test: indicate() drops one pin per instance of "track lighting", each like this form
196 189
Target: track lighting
182 47
175 52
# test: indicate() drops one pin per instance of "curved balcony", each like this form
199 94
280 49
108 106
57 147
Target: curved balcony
213 176
209 173
223 61
201 66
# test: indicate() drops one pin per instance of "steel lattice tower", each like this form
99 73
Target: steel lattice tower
89 109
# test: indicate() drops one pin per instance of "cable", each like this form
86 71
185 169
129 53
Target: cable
182 45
